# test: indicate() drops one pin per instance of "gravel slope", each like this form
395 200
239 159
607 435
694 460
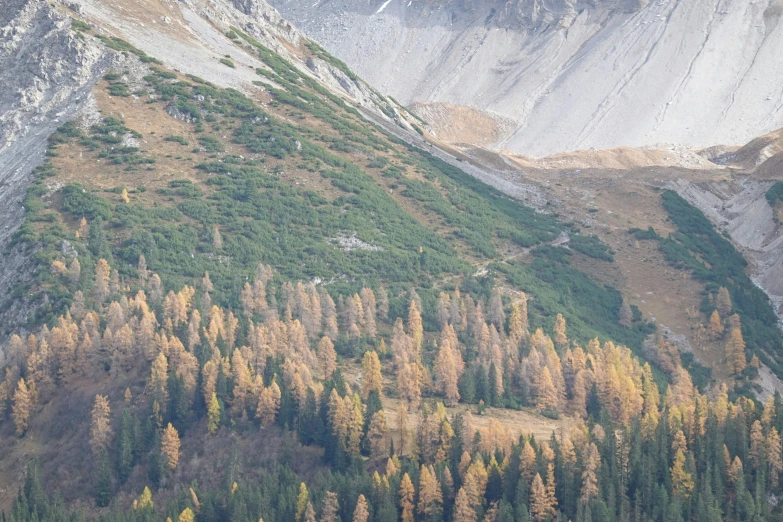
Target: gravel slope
573 74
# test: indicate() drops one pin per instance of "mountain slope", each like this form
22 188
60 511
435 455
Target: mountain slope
259 294
571 75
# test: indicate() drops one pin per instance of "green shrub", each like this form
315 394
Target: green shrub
591 246
78 25
177 139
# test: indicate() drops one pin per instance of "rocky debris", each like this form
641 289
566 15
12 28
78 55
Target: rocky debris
740 208
571 74
562 240
47 73
173 111
350 243
508 181
769 383
68 249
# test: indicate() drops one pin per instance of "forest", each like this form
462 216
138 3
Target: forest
191 369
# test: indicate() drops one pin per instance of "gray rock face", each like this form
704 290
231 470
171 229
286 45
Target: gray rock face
46 73
540 13
572 74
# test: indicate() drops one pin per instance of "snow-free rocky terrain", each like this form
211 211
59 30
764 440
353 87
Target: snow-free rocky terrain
569 74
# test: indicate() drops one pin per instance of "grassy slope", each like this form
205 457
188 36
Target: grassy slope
282 182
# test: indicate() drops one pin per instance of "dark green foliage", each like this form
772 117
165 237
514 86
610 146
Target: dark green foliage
775 193
176 139
640 234
264 217
121 45
156 461
103 490
78 25
715 261
210 143
119 89
126 451
592 310
700 374
81 203
227 62
591 246
467 387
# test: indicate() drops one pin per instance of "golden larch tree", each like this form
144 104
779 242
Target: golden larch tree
301 501
268 404
362 511
371 374
100 289
447 372
170 446
590 463
22 407
715 325
409 379
774 457
560 331
330 507
735 470
144 502
735 352
463 510
243 383
546 394
430 495
756 444
539 506
407 495
682 482
159 379
551 486
100 429
327 357
415 329
378 435
723 302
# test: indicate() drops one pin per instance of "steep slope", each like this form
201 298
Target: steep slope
570 74
50 68
165 171
252 291
47 74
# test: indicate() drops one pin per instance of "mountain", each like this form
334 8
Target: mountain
239 282
562 75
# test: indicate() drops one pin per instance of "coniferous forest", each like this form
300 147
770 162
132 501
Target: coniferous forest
307 319
632 450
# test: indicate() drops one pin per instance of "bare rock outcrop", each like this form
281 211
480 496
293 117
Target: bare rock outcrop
46 72
572 74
